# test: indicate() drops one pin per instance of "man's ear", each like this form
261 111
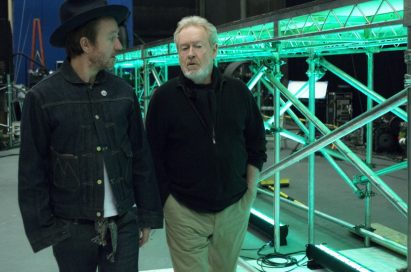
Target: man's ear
85 44
215 48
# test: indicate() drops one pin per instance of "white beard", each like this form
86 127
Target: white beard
199 76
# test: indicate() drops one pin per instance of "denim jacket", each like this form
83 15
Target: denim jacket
70 129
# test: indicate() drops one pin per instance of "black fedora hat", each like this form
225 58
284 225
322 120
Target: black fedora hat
75 13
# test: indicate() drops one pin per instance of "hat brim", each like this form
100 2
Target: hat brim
119 13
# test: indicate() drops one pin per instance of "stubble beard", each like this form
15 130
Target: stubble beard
98 62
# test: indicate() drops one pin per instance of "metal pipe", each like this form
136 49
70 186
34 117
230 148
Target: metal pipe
341 172
288 104
396 100
407 22
243 9
277 142
301 126
259 94
251 83
202 7
359 86
361 231
368 152
328 151
301 140
335 154
311 157
292 136
165 72
9 111
146 86
136 77
290 112
10 13
156 76
387 170
140 84
330 137
325 151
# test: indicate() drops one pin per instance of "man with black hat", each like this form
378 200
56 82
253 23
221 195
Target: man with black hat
86 184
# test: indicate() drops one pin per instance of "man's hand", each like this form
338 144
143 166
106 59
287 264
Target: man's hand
144 235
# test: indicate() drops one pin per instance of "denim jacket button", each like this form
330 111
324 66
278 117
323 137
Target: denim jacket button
98 214
98 148
96 116
99 181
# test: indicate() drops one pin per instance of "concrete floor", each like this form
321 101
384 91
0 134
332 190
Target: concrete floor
333 197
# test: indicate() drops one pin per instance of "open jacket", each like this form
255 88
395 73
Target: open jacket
70 129
204 164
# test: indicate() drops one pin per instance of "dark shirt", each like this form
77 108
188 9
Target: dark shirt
204 104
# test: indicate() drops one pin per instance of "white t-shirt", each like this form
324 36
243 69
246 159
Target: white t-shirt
109 200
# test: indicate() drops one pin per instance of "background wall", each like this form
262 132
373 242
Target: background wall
24 11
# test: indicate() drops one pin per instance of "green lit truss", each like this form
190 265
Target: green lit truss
337 27
308 31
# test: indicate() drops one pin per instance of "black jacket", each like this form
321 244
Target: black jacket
68 129
204 166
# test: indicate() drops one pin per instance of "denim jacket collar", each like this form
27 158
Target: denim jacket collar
71 76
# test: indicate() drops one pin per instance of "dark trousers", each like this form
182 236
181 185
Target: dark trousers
79 254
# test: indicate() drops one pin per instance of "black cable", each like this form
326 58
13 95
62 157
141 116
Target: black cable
269 243
270 260
267 261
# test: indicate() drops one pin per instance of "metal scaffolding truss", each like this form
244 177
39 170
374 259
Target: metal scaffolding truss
309 31
332 27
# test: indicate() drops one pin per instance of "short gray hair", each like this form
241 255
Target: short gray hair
197 21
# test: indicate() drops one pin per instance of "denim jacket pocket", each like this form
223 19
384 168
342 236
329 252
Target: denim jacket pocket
65 171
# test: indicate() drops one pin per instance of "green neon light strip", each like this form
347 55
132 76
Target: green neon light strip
361 14
343 259
247 35
262 216
376 24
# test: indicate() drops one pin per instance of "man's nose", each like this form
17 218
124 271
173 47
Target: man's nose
191 51
118 46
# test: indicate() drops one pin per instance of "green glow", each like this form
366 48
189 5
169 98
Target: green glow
247 35
128 64
373 24
384 171
343 259
362 14
160 50
292 136
262 216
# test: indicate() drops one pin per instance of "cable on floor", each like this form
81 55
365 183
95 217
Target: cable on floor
276 259
279 260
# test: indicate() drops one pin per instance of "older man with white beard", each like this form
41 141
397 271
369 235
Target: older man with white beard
208 144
